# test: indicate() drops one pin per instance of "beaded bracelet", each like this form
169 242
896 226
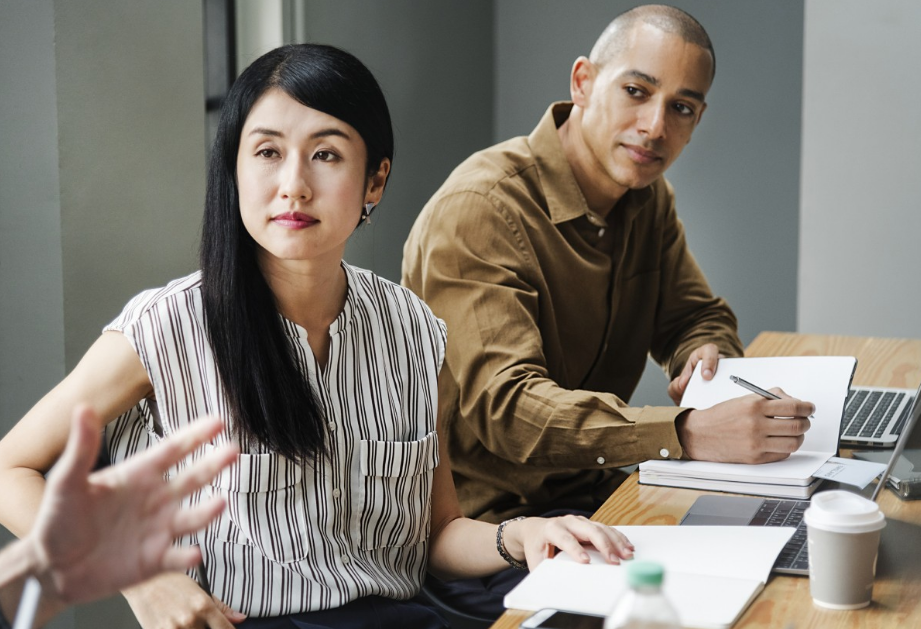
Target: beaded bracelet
500 546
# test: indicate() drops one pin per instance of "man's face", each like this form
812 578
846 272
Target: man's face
641 107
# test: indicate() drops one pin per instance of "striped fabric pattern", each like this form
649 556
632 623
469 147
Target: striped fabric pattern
303 538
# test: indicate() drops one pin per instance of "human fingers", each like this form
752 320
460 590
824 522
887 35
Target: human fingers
708 355
569 532
204 470
173 600
783 445
229 613
785 426
205 612
611 543
676 389
82 448
767 457
180 444
198 517
677 386
551 534
780 437
787 407
180 558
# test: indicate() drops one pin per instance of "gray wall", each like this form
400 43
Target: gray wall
434 61
737 182
31 284
131 153
103 173
102 183
860 219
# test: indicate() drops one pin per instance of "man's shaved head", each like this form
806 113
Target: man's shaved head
663 17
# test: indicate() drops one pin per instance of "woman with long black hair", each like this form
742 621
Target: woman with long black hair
326 375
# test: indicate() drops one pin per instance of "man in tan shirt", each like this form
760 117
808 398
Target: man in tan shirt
558 263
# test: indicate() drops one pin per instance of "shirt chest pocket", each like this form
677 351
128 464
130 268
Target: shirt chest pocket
266 506
396 479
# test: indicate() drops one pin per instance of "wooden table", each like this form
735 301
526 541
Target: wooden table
785 601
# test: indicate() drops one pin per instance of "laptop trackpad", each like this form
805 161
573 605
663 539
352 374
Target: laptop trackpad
722 510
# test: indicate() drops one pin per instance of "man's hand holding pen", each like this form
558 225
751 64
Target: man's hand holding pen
748 429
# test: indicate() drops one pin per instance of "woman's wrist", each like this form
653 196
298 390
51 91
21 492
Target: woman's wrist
509 543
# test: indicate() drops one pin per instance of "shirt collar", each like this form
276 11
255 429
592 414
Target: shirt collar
565 200
342 321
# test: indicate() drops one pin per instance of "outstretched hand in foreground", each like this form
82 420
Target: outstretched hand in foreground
97 533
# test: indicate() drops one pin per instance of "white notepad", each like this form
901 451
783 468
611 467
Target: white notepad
822 380
712 573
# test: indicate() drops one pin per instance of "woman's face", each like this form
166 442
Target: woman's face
302 180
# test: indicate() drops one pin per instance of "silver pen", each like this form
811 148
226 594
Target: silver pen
756 389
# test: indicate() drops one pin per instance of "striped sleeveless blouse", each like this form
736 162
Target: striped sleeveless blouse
303 538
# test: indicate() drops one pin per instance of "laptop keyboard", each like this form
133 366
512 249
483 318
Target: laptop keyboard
773 512
867 414
900 424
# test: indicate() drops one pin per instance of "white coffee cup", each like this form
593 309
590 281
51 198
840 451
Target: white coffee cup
843 532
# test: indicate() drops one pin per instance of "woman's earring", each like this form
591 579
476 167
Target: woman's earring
366 213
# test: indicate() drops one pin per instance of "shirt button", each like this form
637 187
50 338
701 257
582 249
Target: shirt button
346 561
336 493
332 426
663 453
601 232
600 460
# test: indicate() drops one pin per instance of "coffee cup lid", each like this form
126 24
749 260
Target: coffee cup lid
843 512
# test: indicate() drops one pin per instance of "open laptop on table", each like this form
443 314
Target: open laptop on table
875 416
756 511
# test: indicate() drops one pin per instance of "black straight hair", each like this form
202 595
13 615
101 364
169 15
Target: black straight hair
269 396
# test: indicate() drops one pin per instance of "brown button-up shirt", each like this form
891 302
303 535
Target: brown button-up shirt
551 311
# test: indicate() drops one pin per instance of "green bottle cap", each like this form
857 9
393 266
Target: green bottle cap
645 573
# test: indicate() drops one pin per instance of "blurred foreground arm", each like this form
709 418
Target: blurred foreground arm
98 533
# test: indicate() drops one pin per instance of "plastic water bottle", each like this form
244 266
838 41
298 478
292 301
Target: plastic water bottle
644 606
